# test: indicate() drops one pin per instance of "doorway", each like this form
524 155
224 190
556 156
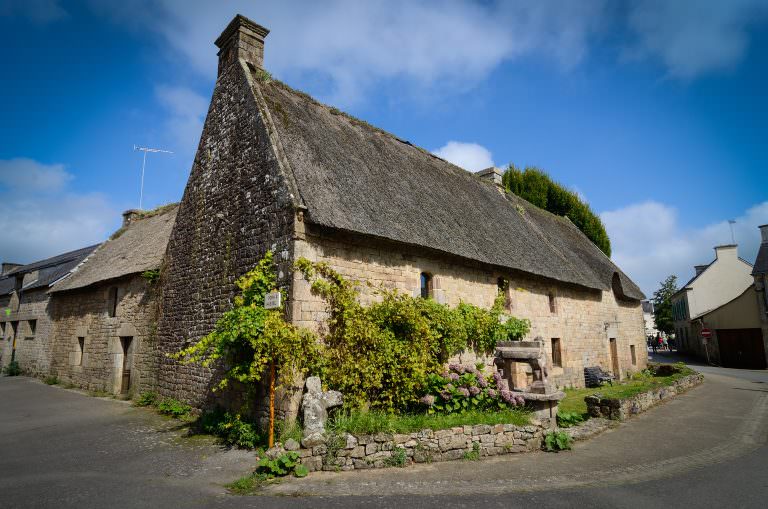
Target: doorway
741 348
126 343
614 358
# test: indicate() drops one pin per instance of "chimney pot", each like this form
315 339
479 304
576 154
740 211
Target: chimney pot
764 232
242 39
491 174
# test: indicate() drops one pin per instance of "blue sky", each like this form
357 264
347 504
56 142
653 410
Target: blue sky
653 111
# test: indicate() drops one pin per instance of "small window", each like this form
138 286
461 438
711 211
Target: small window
557 354
426 285
112 302
632 353
32 327
552 303
80 351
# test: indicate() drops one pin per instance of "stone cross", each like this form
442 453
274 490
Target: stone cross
315 405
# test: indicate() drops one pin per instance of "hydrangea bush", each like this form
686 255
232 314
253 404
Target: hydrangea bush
463 388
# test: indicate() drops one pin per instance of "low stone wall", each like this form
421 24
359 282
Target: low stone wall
621 409
381 450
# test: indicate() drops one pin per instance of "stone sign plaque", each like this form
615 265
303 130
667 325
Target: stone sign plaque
273 300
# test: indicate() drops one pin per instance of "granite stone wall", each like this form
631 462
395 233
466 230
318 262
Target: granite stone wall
584 320
84 314
33 348
236 206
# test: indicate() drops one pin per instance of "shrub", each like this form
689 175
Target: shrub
568 419
51 380
13 369
556 441
286 463
398 458
466 388
232 429
148 398
174 408
381 356
474 454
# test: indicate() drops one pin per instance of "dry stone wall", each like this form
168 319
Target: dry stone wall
84 314
236 206
583 320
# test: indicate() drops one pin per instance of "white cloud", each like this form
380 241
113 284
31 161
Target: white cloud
186 114
41 217
694 37
649 243
470 156
38 11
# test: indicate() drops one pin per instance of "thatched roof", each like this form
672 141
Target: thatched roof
354 177
49 270
139 247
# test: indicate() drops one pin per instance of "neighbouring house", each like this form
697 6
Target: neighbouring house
648 319
105 312
712 285
25 304
276 170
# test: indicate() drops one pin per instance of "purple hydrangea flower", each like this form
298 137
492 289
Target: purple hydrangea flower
492 393
520 401
508 397
449 387
482 382
454 377
445 395
474 391
464 391
427 400
457 368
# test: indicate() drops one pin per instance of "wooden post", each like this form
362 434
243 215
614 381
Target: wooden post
272 404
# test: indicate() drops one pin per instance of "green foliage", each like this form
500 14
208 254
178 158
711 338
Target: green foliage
13 369
381 355
568 419
248 337
231 429
281 466
51 380
662 305
148 398
263 76
249 484
474 454
289 429
398 459
556 441
368 423
538 188
152 276
174 408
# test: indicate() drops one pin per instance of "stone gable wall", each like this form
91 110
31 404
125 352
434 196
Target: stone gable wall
236 206
584 320
84 313
33 351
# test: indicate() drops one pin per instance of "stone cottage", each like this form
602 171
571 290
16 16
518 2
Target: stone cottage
25 309
276 170
105 313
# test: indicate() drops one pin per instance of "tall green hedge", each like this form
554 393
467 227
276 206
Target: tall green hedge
535 186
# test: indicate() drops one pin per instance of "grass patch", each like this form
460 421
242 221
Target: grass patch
366 423
640 382
249 484
51 380
474 454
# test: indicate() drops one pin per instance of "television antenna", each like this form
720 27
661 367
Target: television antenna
143 165
731 222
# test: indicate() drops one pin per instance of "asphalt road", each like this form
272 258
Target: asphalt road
707 448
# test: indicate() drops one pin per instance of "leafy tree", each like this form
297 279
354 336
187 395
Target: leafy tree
254 341
535 186
662 305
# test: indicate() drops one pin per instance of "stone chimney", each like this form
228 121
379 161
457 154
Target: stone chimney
726 251
7 267
764 232
700 268
492 175
241 39
130 216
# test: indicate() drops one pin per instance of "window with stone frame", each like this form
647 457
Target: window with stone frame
633 354
552 302
112 302
557 353
425 285
80 351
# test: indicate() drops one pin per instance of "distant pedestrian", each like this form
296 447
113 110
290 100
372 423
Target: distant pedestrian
664 343
654 345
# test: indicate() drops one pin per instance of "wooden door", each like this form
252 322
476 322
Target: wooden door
614 358
741 348
125 384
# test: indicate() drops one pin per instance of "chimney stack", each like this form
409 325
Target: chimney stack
130 216
764 232
727 250
241 39
492 175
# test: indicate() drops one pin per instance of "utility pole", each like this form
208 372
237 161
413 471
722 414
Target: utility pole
143 165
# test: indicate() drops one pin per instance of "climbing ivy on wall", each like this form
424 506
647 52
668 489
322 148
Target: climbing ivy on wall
537 187
380 356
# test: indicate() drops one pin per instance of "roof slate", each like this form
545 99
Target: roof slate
354 177
140 247
761 262
50 270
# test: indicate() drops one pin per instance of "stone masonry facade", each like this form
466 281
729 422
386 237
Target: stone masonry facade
235 208
33 347
90 346
583 320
